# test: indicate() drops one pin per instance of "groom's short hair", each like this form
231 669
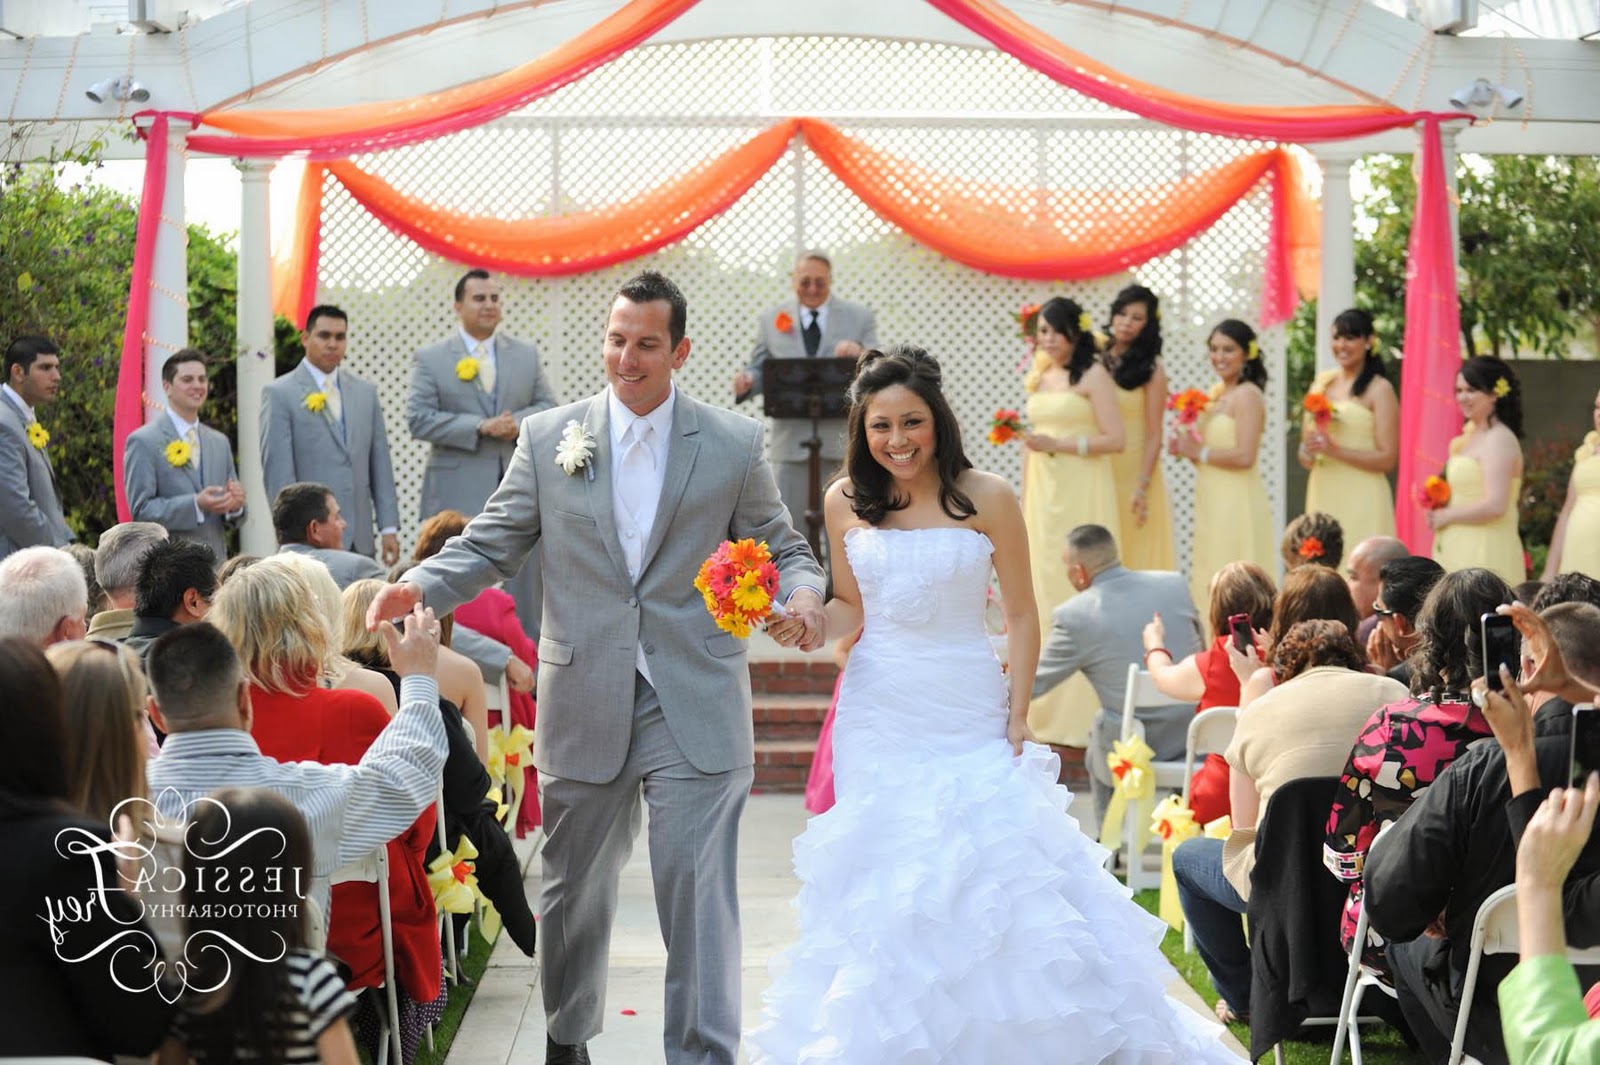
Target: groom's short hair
650 286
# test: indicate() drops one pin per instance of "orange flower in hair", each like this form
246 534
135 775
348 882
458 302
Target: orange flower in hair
1310 549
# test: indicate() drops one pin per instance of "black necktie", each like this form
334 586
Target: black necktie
812 334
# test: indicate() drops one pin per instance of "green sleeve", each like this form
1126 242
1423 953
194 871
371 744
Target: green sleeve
1541 1010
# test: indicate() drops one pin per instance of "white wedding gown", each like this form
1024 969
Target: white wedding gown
951 913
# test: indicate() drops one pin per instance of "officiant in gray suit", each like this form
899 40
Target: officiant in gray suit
322 423
468 396
30 503
813 324
179 473
639 691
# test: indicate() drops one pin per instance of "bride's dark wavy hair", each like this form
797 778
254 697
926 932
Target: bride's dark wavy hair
871 492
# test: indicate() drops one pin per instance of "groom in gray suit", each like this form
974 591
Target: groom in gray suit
814 324
639 690
467 399
322 423
193 498
30 506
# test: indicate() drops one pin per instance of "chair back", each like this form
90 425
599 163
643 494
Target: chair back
497 696
1210 732
1141 692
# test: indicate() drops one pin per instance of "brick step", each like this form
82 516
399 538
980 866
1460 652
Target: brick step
789 717
782 765
811 676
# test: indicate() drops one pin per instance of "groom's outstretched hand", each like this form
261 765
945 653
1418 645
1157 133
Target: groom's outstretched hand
394 601
807 624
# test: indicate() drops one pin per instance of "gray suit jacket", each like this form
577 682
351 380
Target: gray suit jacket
298 445
464 468
163 493
844 321
30 509
717 486
1100 630
346 567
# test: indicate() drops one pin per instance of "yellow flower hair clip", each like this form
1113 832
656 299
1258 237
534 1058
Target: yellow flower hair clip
1085 323
1502 388
1252 350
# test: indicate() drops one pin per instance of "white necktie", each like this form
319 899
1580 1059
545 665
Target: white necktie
192 435
335 401
637 472
485 366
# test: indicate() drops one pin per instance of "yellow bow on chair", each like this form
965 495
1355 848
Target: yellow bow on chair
510 752
454 880
1174 823
1132 778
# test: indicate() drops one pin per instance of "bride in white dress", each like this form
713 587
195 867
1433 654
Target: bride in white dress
951 913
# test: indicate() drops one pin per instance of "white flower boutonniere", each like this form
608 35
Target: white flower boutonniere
576 447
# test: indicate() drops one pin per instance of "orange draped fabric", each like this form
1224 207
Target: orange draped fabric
1039 233
294 271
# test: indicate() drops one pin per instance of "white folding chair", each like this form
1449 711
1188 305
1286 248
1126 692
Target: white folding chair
1210 731
1356 981
447 927
498 697
1494 931
374 869
1142 693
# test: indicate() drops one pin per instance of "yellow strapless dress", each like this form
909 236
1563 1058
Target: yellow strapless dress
1580 548
1232 521
1494 545
1360 499
1061 491
1147 546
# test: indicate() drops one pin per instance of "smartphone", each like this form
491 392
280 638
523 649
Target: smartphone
1243 638
1501 646
1585 757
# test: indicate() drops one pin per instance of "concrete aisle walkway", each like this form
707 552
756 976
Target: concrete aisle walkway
505 1023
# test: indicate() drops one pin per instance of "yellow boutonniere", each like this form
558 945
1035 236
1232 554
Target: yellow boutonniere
38 436
1502 388
316 402
467 368
1085 323
178 454
1253 351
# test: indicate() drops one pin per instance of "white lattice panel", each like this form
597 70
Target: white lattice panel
968 112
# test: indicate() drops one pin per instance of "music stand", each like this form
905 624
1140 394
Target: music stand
814 388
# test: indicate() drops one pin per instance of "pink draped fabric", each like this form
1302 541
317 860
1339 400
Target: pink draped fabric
128 412
1432 356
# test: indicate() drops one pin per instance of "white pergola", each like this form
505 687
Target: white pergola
322 53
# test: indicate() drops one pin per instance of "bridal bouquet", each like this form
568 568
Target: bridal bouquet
739 584
1005 426
1189 405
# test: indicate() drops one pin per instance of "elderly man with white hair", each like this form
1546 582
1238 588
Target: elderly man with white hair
116 568
43 596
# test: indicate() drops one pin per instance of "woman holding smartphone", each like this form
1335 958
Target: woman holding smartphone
1231 516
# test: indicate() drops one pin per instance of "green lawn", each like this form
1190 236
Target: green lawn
472 968
1379 1045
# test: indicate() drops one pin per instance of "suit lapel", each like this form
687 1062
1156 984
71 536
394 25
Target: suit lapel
599 487
681 452
308 385
169 433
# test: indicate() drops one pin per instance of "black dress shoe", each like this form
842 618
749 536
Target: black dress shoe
564 1054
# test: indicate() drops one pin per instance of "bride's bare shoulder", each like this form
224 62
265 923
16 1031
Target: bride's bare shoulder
982 487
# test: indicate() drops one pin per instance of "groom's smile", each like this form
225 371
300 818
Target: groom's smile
640 352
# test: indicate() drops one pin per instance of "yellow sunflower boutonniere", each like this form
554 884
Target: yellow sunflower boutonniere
178 453
467 368
1502 388
316 402
38 436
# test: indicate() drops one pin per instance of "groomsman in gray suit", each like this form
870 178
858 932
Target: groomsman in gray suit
30 505
322 423
467 399
308 521
814 324
1100 631
639 692
193 489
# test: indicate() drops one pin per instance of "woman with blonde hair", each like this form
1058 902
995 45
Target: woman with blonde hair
341 671
103 695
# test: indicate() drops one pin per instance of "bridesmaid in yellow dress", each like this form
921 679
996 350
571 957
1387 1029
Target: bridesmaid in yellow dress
1133 356
1575 545
1073 430
1231 518
1479 525
1348 459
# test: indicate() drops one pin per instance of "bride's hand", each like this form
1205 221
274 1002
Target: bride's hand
1018 733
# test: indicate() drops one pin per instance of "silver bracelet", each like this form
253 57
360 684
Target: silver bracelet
1083 447
1205 455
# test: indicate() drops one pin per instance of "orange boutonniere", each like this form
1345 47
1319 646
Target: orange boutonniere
1005 426
1434 493
1311 549
783 323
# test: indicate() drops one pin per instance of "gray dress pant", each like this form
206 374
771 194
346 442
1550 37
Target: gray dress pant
694 837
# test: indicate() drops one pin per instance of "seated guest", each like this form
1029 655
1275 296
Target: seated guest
234 565
1528 591
1364 574
306 518
1407 744
103 698
1303 727
339 671
60 1008
83 555
268 612
1403 584
43 596
176 581
1098 631
1451 850
1566 588
1237 588
201 699
1308 593
1312 537
116 567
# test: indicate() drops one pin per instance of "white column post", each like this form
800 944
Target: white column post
168 327
1336 288
255 363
